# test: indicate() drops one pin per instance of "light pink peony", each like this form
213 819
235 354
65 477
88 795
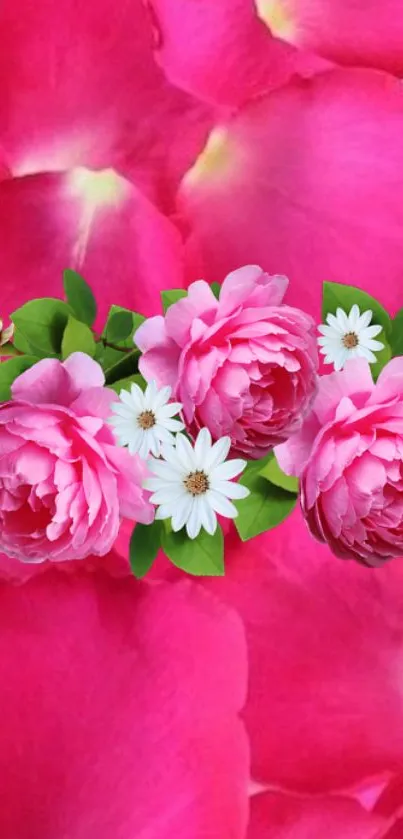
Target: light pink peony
64 485
349 455
244 365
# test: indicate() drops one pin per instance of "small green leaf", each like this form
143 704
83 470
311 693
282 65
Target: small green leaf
42 323
344 296
203 556
10 370
145 543
216 288
172 296
272 472
121 324
77 337
265 507
125 384
125 367
79 297
24 346
397 334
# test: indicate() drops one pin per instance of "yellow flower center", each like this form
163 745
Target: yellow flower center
350 340
197 483
146 420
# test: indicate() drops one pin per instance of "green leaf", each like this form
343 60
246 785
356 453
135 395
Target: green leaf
172 296
265 507
23 345
79 297
9 370
42 323
203 556
125 384
77 337
216 288
121 325
344 296
397 334
272 472
125 367
145 543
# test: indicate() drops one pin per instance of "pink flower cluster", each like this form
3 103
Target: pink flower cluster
244 365
148 144
64 484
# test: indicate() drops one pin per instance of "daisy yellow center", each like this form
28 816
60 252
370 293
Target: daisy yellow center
350 340
146 420
197 483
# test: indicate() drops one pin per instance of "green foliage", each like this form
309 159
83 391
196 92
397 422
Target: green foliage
9 370
41 323
77 337
145 543
266 506
79 297
172 296
203 556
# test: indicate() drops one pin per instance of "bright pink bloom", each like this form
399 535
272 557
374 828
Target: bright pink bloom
64 485
281 816
244 365
325 644
296 179
222 52
349 457
367 34
120 704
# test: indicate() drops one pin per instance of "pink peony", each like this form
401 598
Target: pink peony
244 365
63 483
349 455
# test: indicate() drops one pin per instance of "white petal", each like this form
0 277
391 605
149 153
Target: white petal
227 470
150 394
230 489
165 511
164 435
185 453
372 345
221 504
165 471
170 454
170 409
334 322
218 453
353 316
182 512
169 495
153 484
325 329
364 320
370 331
124 410
208 516
202 448
193 524
173 425
154 443
363 352
162 397
343 319
144 447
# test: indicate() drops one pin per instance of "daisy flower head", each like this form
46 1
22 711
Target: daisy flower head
142 421
347 336
192 483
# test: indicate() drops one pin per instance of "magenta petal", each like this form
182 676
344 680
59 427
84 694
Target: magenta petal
220 50
103 102
281 816
105 229
292 182
45 382
325 641
99 692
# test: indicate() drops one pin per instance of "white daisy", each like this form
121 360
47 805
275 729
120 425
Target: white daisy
193 483
349 336
143 421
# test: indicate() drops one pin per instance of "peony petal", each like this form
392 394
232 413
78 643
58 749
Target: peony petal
221 51
104 101
325 639
366 34
277 816
115 703
303 175
46 382
125 249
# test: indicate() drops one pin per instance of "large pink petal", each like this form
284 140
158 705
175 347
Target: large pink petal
276 816
106 714
297 181
98 224
325 637
221 51
369 33
79 86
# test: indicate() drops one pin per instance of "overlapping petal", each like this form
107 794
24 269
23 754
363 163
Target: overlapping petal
278 816
96 223
222 52
368 34
108 727
306 182
325 642
79 86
